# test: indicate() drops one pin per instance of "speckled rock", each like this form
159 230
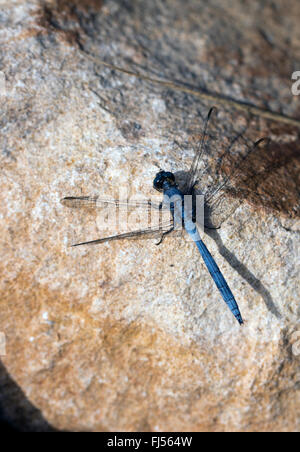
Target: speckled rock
130 336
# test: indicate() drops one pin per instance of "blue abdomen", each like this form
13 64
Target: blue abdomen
219 280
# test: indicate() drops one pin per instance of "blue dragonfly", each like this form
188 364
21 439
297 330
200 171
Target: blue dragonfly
181 216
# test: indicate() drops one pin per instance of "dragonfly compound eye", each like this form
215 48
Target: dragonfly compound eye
163 179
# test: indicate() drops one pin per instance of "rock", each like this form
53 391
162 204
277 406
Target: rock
128 336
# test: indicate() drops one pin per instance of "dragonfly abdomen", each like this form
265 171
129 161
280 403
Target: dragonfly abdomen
219 280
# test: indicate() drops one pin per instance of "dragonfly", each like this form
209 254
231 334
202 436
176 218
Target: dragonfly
174 201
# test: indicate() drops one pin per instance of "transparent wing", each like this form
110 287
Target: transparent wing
96 202
194 170
149 233
241 175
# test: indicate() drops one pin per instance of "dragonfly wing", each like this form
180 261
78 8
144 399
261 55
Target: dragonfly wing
96 202
236 185
220 209
149 233
240 170
199 149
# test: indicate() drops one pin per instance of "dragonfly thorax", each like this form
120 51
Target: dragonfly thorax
164 180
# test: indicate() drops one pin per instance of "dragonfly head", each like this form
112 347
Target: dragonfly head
164 180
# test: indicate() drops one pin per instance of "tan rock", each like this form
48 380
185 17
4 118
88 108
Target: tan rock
130 336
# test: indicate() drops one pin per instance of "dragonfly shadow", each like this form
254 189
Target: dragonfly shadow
243 271
268 178
181 179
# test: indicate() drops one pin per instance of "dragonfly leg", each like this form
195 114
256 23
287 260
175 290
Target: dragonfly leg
210 227
164 234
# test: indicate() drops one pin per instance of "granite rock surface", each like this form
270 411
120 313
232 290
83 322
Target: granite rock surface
129 336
